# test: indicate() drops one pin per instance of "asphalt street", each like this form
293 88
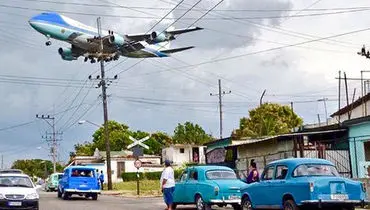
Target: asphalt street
49 200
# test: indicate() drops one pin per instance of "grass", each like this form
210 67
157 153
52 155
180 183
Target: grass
147 187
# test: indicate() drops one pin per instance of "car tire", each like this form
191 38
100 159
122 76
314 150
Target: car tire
94 196
200 204
237 207
66 196
246 203
174 205
349 208
59 193
290 205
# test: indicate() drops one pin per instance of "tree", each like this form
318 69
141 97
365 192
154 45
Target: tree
188 133
36 167
267 120
119 140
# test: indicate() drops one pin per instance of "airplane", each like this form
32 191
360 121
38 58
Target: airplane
85 40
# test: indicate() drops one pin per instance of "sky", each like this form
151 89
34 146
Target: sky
291 49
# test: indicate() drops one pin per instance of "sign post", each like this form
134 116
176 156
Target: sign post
137 152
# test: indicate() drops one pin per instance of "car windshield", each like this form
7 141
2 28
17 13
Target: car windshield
82 173
315 170
221 174
15 181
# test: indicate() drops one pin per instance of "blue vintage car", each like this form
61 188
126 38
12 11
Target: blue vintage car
80 180
208 185
297 183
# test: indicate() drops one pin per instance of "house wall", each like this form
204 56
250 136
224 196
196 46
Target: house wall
358 134
356 113
173 154
263 153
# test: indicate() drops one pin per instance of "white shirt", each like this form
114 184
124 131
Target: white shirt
168 174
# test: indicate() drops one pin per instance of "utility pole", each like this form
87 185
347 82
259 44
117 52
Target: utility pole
103 83
2 161
326 111
51 137
339 87
346 86
220 94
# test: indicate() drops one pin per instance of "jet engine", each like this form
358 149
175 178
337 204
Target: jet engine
66 54
159 37
116 39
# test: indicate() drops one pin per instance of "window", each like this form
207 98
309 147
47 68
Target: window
315 170
220 174
82 173
193 175
182 150
281 172
120 169
268 173
183 177
15 181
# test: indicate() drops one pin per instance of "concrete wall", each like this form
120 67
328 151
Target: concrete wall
358 134
173 153
356 113
263 153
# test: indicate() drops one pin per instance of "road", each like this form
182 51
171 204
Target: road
49 200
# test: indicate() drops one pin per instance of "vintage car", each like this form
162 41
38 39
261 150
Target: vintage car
52 182
297 183
79 180
208 185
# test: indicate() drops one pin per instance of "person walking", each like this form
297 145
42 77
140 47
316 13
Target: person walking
168 184
101 179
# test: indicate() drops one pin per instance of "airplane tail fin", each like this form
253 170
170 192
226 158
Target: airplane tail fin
175 50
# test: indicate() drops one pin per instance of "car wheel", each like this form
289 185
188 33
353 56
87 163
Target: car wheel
200 204
174 205
349 208
290 205
59 193
246 204
66 195
94 196
237 207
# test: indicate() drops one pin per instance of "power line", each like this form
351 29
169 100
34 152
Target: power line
17 126
167 8
221 18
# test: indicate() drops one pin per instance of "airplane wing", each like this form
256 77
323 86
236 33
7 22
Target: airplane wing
168 35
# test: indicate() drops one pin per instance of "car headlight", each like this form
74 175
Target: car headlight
32 196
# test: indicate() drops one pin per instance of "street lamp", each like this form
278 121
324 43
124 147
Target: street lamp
109 172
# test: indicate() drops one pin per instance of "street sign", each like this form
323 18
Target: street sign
137 164
137 151
138 142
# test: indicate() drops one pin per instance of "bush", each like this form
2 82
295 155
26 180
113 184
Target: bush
131 176
152 175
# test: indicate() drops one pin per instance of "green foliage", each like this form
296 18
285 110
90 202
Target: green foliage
188 133
119 140
131 176
267 120
36 167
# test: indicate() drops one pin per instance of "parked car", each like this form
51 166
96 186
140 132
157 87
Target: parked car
208 185
52 182
12 171
79 180
296 183
17 191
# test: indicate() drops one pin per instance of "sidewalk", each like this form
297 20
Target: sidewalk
129 194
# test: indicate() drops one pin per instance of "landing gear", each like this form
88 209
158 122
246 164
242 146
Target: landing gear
48 43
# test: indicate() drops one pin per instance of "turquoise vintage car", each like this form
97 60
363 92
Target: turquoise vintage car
52 182
208 185
298 183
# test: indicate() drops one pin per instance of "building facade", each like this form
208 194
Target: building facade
184 153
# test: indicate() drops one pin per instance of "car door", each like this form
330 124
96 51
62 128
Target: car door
262 197
278 185
191 186
179 194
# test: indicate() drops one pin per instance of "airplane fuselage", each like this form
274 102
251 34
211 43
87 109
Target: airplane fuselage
79 35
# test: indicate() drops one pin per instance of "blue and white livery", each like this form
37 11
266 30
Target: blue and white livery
85 40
